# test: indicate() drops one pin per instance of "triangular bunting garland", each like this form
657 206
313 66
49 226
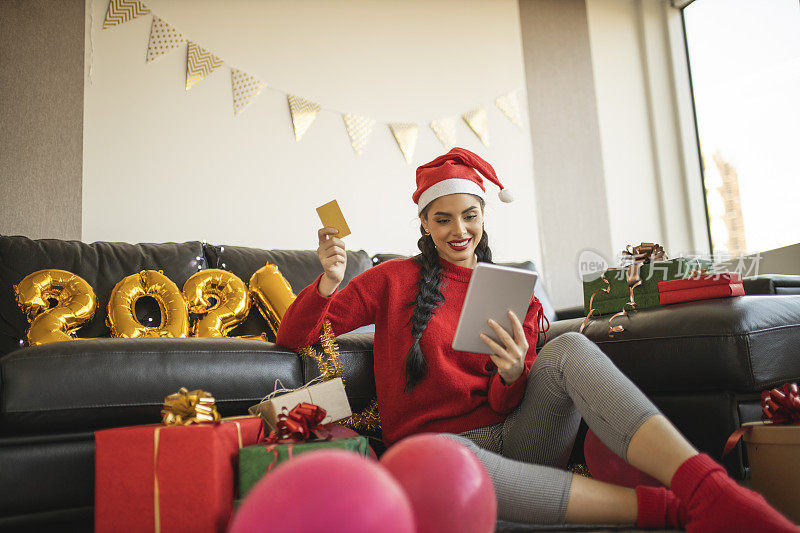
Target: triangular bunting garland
445 130
509 105
245 88
406 136
163 38
359 129
121 11
477 122
303 114
199 64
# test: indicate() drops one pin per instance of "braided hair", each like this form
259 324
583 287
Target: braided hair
429 297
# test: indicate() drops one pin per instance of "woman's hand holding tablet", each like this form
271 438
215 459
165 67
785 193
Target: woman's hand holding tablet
493 291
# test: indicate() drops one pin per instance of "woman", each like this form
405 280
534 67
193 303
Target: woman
518 412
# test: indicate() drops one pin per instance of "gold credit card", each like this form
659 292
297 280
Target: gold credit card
331 217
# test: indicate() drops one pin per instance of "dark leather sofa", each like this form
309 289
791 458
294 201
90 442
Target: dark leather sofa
703 363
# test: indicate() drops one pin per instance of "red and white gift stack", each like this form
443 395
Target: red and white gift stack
700 288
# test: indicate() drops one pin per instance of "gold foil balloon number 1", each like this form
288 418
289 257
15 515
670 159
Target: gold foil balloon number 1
76 304
272 293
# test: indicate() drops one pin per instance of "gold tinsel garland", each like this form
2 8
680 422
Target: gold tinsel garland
331 367
580 469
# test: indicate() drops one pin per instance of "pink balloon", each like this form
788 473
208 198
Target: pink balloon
448 486
326 490
605 465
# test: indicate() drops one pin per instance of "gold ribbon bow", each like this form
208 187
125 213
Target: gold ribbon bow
185 407
647 252
182 409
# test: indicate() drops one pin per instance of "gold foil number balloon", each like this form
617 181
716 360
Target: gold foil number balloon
76 304
231 307
121 306
272 293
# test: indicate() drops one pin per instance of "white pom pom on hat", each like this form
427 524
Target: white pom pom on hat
505 196
455 172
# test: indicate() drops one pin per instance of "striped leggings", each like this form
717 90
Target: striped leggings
527 453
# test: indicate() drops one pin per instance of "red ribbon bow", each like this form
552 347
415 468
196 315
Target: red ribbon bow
780 405
298 424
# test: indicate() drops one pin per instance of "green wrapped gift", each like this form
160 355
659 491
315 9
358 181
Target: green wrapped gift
645 294
256 460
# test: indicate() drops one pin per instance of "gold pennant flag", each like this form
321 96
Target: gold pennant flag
122 11
199 64
359 129
406 136
445 130
245 88
477 122
509 105
303 114
163 38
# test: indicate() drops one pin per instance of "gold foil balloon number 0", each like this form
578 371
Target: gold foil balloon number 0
121 306
230 306
75 300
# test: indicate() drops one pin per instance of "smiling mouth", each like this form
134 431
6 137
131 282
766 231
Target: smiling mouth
459 245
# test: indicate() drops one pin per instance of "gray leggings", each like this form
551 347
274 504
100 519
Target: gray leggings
527 453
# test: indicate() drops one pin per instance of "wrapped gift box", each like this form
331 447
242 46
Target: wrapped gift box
773 452
646 294
169 478
700 288
330 395
257 460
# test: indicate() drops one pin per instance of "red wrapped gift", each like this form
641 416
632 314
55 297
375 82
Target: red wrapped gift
169 478
700 288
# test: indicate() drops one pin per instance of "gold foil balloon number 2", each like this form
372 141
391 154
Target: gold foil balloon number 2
220 298
75 304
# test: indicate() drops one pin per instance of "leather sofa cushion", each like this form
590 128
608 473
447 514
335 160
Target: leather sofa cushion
299 267
92 384
101 264
45 474
744 344
772 284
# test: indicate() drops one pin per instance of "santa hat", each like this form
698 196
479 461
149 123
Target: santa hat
452 173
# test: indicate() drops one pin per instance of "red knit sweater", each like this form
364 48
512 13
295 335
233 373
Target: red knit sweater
461 390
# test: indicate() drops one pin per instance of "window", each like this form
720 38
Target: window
744 58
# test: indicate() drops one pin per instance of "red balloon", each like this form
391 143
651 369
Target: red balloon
605 465
449 488
326 490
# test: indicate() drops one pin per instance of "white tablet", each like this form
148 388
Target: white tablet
493 290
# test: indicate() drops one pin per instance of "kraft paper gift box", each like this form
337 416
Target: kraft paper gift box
169 478
330 395
773 448
646 294
773 452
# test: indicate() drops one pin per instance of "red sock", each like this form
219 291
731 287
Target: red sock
659 508
715 502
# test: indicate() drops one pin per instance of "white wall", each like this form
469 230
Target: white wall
162 163
565 134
